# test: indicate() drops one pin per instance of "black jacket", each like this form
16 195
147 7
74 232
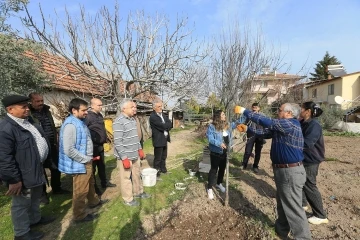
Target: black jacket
46 109
96 125
19 155
158 128
314 147
53 158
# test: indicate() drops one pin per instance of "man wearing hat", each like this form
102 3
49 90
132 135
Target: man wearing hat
21 166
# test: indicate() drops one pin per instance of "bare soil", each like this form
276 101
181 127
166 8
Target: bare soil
252 207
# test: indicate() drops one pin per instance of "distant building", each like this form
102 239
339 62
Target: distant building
274 85
324 91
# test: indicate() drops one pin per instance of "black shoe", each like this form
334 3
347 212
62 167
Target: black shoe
133 203
256 170
98 191
109 184
44 200
43 221
30 235
88 218
61 191
143 195
101 202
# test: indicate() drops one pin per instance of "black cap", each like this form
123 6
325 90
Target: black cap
14 99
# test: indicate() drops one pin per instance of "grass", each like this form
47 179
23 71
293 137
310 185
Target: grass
341 134
116 221
331 159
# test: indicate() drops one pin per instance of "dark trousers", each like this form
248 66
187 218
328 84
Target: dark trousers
218 165
258 142
100 165
160 154
55 182
311 193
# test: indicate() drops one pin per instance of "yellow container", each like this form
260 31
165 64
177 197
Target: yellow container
237 109
110 134
107 147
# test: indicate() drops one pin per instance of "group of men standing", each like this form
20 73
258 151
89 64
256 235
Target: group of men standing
29 142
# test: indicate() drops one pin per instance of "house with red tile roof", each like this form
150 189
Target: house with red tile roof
69 81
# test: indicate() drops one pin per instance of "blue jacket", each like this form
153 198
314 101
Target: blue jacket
215 137
287 138
66 164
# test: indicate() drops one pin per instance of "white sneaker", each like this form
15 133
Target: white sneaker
221 187
316 221
210 194
305 208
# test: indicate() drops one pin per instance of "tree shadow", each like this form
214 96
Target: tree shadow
131 227
240 203
261 187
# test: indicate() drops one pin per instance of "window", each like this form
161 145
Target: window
264 84
331 89
314 93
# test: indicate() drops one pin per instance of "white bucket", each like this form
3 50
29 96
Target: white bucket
148 176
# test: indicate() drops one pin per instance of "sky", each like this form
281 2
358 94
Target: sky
302 30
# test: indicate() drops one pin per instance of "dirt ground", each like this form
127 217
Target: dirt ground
252 204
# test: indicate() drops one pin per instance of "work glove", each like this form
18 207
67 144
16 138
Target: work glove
96 158
241 128
239 110
141 154
126 163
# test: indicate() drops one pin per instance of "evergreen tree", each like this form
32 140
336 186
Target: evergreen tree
213 102
321 67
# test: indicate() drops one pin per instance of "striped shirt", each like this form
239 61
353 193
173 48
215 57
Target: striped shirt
40 140
126 140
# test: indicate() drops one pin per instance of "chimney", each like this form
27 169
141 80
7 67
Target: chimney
328 73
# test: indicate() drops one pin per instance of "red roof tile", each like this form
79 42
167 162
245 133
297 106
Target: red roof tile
66 77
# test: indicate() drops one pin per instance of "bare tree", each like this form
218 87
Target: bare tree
238 57
147 53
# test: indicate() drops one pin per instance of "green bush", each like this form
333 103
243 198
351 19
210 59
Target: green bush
330 116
